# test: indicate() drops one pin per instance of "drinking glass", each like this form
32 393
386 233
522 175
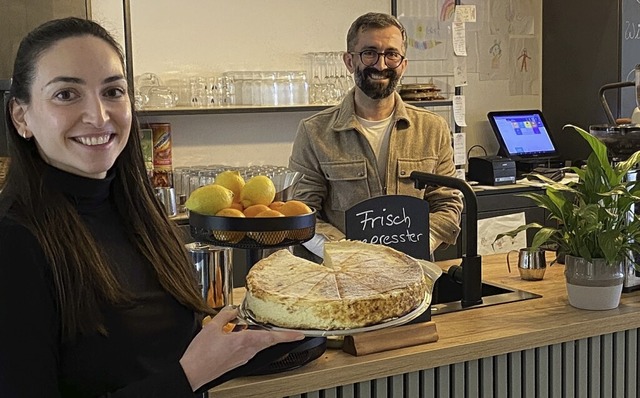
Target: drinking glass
256 89
268 89
160 97
300 88
284 88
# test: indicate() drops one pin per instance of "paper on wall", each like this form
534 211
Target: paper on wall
459 149
488 228
465 13
460 71
459 40
459 110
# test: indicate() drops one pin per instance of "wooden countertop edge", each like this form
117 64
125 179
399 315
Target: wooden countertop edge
494 330
336 368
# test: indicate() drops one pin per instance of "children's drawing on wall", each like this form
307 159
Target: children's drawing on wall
524 61
521 17
425 38
499 12
494 57
481 15
447 10
511 16
418 8
496 53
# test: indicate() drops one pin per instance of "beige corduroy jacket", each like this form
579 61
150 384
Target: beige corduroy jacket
340 168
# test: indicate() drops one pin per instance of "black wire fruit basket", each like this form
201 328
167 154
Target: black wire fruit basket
253 233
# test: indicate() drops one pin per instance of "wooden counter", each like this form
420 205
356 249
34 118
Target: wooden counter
537 332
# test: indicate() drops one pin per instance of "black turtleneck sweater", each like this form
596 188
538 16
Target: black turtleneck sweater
139 357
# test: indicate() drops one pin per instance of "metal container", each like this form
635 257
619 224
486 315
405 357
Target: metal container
167 198
214 269
531 263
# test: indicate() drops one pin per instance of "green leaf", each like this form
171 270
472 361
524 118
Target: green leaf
544 235
599 149
593 214
514 232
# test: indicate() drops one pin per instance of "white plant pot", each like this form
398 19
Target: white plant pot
593 285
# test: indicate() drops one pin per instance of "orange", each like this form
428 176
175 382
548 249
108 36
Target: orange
253 210
237 205
269 238
229 236
276 205
230 212
294 208
270 213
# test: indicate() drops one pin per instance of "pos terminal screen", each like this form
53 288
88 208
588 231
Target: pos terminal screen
522 135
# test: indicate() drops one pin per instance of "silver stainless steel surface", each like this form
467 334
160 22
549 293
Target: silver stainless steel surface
531 263
285 183
167 197
214 269
447 296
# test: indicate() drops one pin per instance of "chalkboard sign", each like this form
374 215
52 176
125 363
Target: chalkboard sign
398 221
629 53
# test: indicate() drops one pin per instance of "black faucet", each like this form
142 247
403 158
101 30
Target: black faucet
469 272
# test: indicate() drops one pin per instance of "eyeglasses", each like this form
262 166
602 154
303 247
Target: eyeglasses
370 57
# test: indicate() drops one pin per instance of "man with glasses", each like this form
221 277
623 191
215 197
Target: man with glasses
369 144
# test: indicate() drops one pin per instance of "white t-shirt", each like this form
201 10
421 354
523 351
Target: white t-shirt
377 133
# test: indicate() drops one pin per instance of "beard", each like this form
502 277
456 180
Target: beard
375 89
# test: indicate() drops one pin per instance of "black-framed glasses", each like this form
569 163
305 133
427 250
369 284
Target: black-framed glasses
392 59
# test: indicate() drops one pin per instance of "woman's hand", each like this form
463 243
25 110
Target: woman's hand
216 350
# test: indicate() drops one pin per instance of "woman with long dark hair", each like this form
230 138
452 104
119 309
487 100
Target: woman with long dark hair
97 293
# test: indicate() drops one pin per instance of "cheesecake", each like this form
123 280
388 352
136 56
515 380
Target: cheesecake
359 284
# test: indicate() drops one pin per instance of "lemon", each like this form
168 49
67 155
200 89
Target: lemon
209 199
231 179
258 190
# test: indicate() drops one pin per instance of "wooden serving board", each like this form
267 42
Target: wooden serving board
390 338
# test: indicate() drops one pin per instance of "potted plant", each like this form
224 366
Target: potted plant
596 228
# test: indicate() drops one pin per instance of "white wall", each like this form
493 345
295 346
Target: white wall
201 36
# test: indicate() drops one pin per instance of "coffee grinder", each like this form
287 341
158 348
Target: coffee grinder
622 140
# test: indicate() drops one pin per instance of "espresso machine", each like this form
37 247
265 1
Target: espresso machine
622 138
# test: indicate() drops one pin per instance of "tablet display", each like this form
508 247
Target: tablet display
522 135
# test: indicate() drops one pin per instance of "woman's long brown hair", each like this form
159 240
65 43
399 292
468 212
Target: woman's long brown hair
83 280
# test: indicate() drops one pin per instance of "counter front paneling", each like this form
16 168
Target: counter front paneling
535 347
